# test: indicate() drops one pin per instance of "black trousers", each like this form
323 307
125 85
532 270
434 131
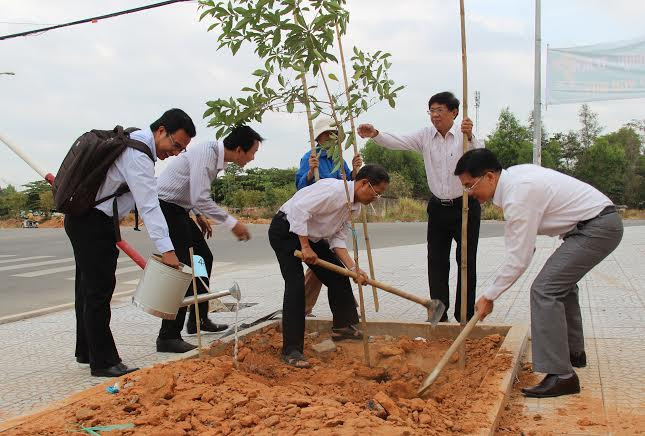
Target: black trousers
444 226
339 290
184 233
93 240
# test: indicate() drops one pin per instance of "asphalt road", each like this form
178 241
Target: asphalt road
37 265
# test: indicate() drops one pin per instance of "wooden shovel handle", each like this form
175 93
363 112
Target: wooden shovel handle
391 289
446 357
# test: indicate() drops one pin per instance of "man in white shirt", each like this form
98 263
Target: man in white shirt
315 220
441 145
540 201
185 185
93 237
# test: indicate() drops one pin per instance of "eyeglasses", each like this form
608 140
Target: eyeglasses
180 148
471 187
374 190
437 111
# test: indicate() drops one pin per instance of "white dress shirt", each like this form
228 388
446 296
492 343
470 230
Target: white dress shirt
187 180
137 170
440 155
319 211
538 201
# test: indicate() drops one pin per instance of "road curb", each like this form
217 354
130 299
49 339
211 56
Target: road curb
52 309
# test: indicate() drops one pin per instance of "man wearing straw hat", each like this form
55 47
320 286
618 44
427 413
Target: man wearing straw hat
541 201
441 145
184 186
324 127
315 221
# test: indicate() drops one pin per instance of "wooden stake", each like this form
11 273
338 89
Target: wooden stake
310 122
464 200
351 220
368 245
197 321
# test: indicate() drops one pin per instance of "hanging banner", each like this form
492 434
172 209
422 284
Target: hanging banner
611 71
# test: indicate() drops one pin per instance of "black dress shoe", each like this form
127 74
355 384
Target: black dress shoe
554 386
578 360
205 326
113 371
174 346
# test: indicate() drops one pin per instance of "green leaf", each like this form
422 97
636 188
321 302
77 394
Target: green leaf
290 106
332 76
259 73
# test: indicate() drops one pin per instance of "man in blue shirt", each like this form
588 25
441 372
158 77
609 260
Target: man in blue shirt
323 128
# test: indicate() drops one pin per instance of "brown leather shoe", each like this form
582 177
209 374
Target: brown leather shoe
553 386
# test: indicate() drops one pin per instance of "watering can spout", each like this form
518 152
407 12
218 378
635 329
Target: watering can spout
233 291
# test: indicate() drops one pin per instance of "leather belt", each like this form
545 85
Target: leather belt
606 211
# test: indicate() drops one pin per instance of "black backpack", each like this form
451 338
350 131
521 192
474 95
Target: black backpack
85 167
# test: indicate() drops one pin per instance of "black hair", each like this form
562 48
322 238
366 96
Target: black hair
446 98
478 162
242 136
374 173
173 120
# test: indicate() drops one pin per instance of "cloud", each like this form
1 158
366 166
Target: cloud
130 69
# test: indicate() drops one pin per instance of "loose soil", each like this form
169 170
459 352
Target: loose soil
339 395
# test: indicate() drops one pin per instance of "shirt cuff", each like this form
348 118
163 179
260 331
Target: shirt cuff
164 245
337 243
491 293
229 222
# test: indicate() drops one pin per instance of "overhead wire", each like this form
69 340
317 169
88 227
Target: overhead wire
92 19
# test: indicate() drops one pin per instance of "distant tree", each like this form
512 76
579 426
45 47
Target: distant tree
630 142
590 128
399 187
511 141
11 202
47 202
570 150
33 191
603 166
407 164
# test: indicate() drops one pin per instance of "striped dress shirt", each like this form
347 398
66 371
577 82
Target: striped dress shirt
137 170
187 180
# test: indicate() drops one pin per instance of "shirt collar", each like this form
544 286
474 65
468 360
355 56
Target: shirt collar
453 130
498 197
147 137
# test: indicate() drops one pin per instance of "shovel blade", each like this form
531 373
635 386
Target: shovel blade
435 311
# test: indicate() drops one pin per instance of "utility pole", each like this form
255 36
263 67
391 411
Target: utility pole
477 99
537 97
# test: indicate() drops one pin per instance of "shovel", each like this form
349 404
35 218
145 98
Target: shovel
435 308
446 357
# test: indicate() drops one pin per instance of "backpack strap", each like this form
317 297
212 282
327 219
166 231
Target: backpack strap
142 147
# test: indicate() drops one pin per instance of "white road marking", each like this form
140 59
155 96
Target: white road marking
22 259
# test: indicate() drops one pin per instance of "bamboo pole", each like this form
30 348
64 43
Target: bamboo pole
197 321
464 200
368 245
351 220
310 123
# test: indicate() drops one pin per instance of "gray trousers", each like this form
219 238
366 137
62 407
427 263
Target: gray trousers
556 323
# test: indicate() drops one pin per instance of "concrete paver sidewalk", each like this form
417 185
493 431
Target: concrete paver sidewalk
37 365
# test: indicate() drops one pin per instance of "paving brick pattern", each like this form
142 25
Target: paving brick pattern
37 365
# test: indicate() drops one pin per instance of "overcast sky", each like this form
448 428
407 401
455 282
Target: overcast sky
130 69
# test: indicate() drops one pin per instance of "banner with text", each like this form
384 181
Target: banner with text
610 71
